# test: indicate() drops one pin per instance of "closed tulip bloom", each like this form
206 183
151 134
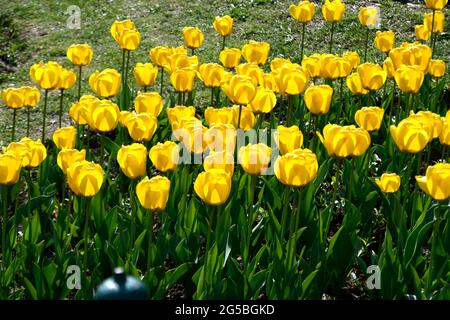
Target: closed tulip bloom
251 70
221 137
38 152
177 113
410 136
254 158
369 118
148 102
145 74
102 115
153 193
422 32
77 109
105 83
352 57
334 67
65 138
368 16
223 25
85 178
21 150
247 118
291 80
10 166
46 75
230 57
80 54
439 18
178 61
278 62
264 101
389 182
436 182
32 95
221 160
318 99
437 68
193 37
354 84
372 76
211 74
384 40
132 160
269 82
219 116
191 132
444 137
409 78
164 156
344 141
159 55
130 39
67 79
333 10
183 79
240 89
312 65
297 168
213 187
388 67
288 138
142 127
256 52
14 98
118 27
429 120
436 4
67 157
303 11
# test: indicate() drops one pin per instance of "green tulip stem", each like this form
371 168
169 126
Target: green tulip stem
4 224
79 81
239 117
366 44
433 35
86 206
192 52
293 228
391 105
433 267
331 37
28 121
161 69
289 111
223 42
44 115
61 102
212 97
351 182
251 216
126 69
145 88
123 66
13 131
341 100
303 42
150 238
132 192
444 152
336 185
285 210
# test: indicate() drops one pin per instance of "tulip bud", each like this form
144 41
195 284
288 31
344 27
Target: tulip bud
264 101
193 37
297 168
372 76
254 158
318 99
80 54
303 12
369 118
437 68
10 166
153 193
105 83
67 157
213 187
389 182
230 57
142 126
223 25
256 52
333 10
65 138
145 74
85 178
344 141
384 40
435 183
164 156
132 160
148 102
288 138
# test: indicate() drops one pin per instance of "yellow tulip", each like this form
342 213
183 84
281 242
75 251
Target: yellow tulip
239 89
333 10
388 67
291 80
85 178
164 156
369 118
67 79
372 76
183 79
105 83
118 27
80 54
269 82
230 57
145 74
46 75
32 96
101 115
389 182
153 193
10 166
247 118
444 137
193 37
437 68
429 120
264 101
223 25
410 136
422 32
409 78
65 138
288 138
221 160
256 52
318 99
191 133
411 54
132 160
124 117
384 40
178 61
312 65
344 141
352 57
436 182
213 187
177 113
436 4
297 168
129 40
303 12
439 18
148 102
211 74
354 84
368 16
37 150
76 110
67 157
219 116
254 158
142 126
334 67
160 55
251 70
14 98
220 137
21 150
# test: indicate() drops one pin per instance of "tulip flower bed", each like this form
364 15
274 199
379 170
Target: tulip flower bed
320 177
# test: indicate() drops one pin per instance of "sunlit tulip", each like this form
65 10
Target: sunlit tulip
10 166
67 79
318 99
269 82
220 137
312 65
422 32
80 54
145 74
32 95
177 113
344 141
410 136
444 137
384 40
118 27
221 160
76 110
37 150
303 11
164 156
372 76
247 118
211 74
256 52
223 25
142 126
159 55
132 160
148 102
334 67
333 10
437 68
230 57
354 84
126 35
240 89
409 79
105 83
46 75
297 168
264 101
389 182
193 37
21 150
388 67
411 54
65 138
67 157
183 79
436 182
291 80
254 158
85 178
368 16
219 116
278 62
251 70
178 61
191 132
436 4
153 193
352 57
429 120
101 115
288 138
439 18
369 118
14 98
213 187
